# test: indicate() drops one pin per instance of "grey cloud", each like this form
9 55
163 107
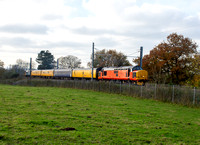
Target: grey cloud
149 26
64 44
106 42
141 31
20 42
18 28
158 26
89 31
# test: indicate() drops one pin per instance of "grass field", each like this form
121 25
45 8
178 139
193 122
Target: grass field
42 115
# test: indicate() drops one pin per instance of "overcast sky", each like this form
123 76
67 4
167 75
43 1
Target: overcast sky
68 27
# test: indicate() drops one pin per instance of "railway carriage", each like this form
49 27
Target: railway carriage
85 73
36 73
63 73
47 73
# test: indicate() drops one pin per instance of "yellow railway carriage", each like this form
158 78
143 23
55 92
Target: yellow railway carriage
84 73
47 73
36 73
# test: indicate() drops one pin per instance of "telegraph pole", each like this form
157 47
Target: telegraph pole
30 67
141 55
92 59
57 63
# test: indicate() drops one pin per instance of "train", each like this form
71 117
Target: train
132 74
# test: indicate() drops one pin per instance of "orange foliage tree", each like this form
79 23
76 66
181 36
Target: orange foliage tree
196 70
171 61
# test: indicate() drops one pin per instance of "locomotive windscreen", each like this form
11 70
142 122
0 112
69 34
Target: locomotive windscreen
136 68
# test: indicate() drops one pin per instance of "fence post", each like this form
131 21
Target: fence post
194 96
129 89
120 87
141 91
81 84
99 86
109 87
74 84
155 90
173 94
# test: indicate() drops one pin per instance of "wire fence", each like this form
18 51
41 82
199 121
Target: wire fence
189 96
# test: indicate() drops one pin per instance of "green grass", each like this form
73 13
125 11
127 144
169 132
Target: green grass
42 115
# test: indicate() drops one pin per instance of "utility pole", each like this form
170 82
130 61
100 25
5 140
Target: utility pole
30 67
92 59
57 63
141 55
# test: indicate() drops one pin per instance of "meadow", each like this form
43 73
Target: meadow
52 115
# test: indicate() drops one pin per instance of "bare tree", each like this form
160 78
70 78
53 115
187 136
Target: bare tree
22 64
69 61
1 64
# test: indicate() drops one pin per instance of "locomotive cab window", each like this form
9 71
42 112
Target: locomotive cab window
105 73
134 74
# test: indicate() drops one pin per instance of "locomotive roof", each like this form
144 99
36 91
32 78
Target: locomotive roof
118 68
84 68
63 69
123 68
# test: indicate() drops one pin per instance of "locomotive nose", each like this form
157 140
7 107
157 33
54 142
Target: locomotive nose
142 74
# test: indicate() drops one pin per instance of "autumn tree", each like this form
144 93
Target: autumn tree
196 70
45 60
196 64
69 61
171 61
109 58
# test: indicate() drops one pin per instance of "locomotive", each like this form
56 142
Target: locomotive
133 74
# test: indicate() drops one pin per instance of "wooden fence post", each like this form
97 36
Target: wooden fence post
173 94
120 87
194 96
155 90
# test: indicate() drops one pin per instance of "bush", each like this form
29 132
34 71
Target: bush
196 81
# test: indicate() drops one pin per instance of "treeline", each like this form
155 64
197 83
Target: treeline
46 60
13 71
175 61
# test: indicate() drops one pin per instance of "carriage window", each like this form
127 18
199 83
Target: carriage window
115 72
105 73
